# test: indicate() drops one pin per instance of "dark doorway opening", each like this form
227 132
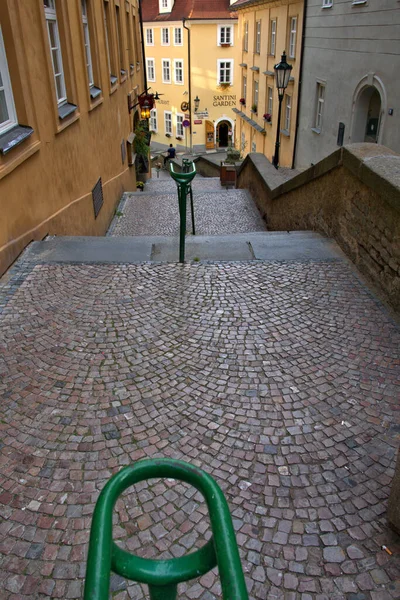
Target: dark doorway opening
223 129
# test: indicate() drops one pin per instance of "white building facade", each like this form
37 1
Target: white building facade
350 85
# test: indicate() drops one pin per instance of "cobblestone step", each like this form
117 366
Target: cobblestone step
264 246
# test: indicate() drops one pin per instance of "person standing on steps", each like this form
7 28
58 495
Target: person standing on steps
171 153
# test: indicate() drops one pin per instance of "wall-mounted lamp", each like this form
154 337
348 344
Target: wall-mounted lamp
145 110
196 103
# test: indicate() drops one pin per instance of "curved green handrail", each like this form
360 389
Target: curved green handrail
183 177
162 576
183 181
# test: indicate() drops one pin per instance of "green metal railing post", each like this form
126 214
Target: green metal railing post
183 181
163 576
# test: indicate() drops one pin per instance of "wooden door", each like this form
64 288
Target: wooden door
209 135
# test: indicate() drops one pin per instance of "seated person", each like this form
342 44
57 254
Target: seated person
171 153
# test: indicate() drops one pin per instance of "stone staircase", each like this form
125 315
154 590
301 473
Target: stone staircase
146 228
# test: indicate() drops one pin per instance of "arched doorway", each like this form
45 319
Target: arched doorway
367 115
223 129
369 110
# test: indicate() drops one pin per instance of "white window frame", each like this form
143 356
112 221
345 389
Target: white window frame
243 140
168 113
320 102
151 64
165 37
272 41
176 61
220 61
288 112
327 3
179 124
258 37
166 60
86 39
7 89
244 87
292 37
176 30
256 88
164 3
153 120
270 101
51 17
246 37
223 31
150 37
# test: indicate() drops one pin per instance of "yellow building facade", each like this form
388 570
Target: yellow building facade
69 71
268 28
191 59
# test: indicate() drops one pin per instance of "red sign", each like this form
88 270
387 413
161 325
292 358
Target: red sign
197 122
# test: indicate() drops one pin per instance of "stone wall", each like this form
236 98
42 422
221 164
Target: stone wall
352 196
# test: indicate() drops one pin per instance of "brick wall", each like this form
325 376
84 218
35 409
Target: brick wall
353 196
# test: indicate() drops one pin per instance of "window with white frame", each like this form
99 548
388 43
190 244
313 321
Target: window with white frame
258 37
164 3
255 96
292 37
86 39
179 125
110 56
270 100
272 37
149 37
243 140
253 147
288 111
178 36
225 72
244 87
168 122
8 114
153 119
120 47
246 36
151 69
225 34
178 71
327 3
320 105
164 6
165 36
55 49
166 70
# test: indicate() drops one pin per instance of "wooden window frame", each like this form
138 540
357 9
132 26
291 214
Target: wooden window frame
179 60
292 36
7 89
167 112
181 36
153 66
220 69
166 60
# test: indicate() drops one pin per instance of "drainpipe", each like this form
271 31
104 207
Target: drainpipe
142 44
190 86
303 39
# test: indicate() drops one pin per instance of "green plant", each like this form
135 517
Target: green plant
142 147
196 259
118 213
254 108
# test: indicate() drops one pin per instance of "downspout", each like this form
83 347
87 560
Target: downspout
303 38
142 44
190 86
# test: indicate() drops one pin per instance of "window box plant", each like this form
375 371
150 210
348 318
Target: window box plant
168 135
225 45
179 137
267 117
140 186
254 108
224 84
243 101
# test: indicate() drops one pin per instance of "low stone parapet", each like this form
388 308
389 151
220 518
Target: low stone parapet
353 195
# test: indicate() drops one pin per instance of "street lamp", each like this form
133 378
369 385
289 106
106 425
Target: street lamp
145 110
196 103
282 74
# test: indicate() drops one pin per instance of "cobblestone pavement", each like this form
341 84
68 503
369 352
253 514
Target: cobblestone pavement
217 211
281 380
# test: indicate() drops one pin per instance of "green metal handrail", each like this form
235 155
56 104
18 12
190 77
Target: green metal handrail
163 576
183 181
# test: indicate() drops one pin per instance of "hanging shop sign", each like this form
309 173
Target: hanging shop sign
202 115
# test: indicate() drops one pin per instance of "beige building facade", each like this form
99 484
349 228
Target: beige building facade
191 51
69 70
268 28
